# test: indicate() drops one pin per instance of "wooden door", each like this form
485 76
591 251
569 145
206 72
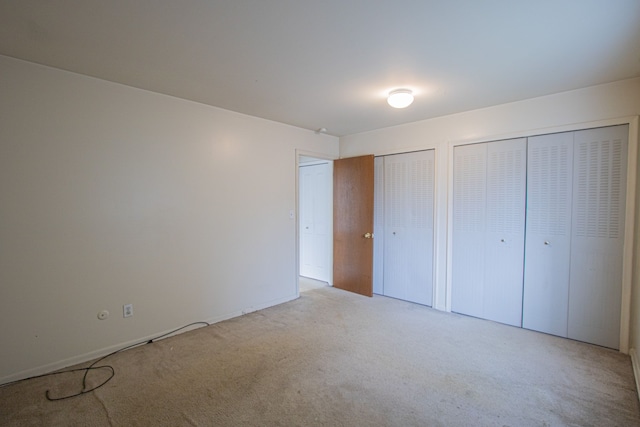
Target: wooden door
353 224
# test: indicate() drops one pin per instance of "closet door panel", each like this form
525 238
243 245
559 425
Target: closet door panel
378 226
504 239
421 196
548 233
395 247
408 226
600 172
469 234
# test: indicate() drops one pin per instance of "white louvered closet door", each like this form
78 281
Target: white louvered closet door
488 230
378 226
599 176
548 233
504 244
469 229
408 226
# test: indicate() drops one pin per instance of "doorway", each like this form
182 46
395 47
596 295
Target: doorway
315 222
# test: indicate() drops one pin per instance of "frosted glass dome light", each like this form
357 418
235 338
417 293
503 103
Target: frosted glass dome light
400 98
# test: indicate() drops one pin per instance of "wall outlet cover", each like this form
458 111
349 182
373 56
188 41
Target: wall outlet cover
127 310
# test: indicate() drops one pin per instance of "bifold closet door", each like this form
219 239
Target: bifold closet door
576 195
599 195
469 225
403 240
378 226
548 231
488 230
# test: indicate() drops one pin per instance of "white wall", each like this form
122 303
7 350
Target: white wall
613 103
112 195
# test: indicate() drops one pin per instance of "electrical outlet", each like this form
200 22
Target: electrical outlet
127 310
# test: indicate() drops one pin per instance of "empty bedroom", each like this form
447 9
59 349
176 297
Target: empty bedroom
327 213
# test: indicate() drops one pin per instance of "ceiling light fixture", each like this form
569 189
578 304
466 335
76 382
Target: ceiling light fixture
400 98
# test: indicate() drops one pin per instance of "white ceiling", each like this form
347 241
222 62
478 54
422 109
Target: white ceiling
330 63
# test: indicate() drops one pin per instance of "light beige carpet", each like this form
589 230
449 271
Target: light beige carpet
332 358
307 284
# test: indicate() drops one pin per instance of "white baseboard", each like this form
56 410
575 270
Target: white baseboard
636 369
61 364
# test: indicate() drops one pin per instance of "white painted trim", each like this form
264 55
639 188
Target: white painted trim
86 357
314 163
632 157
629 233
548 130
328 159
307 153
636 369
391 152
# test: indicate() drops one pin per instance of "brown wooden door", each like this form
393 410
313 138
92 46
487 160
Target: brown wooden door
353 224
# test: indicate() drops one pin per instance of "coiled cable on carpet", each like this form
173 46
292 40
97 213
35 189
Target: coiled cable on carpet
93 366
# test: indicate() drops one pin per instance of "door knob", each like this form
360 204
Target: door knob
547 242
368 235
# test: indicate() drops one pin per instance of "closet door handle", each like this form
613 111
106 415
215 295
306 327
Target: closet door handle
547 243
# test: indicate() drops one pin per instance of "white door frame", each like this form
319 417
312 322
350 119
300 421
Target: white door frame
321 158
